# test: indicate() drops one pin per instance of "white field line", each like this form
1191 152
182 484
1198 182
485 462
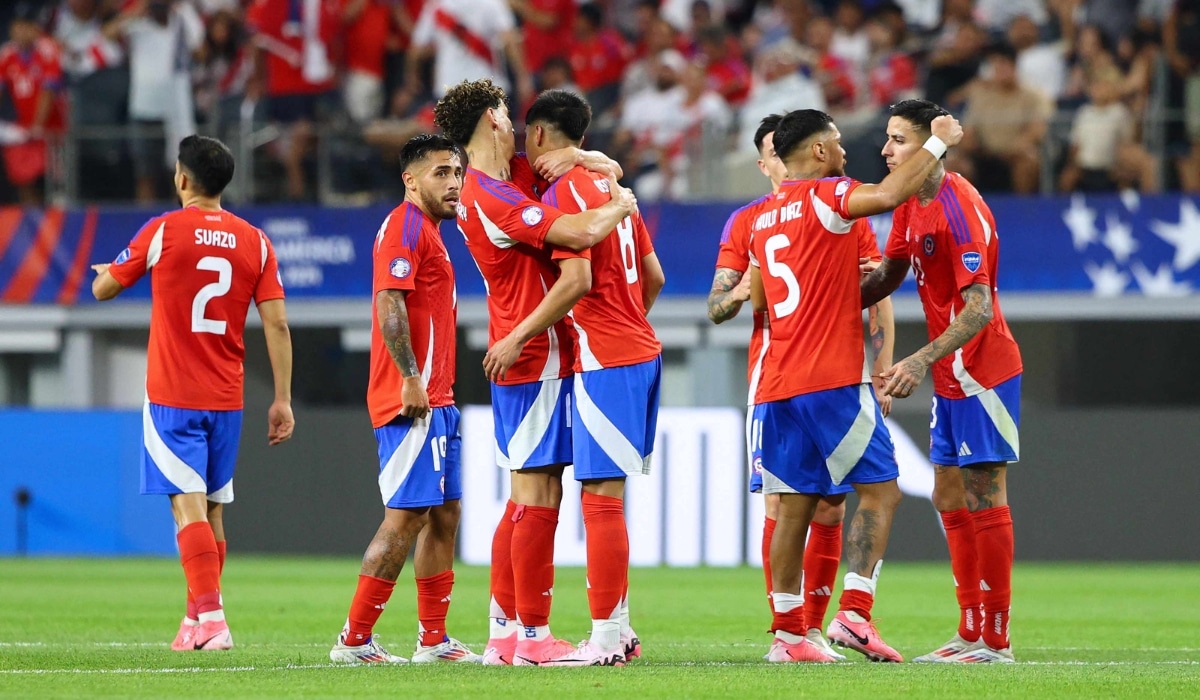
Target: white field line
668 645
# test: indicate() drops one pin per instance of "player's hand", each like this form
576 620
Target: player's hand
280 422
885 401
100 268
554 164
501 356
623 195
741 291
866 266
904 377
947 129
414 397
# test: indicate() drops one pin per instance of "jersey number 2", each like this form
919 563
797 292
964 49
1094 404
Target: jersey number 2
628 249
224 270
783 273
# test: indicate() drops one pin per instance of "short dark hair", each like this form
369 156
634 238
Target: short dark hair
593 13
797 127
208 162
421 146
459 111
919 113
1002 49
766 126
563 110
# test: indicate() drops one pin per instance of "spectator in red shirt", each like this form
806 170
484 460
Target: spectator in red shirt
834 74
728 75
598 58
31 70
366 30
544 23
891 74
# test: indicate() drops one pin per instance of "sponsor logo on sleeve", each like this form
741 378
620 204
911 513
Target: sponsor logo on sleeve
971 261
532 215
400 268
841 188
122 257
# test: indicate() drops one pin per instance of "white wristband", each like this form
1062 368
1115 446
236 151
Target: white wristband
935 146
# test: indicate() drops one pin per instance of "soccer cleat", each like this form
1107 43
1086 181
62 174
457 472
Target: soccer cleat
861 637
536 653
185 639
450 650
950 649
370 653
213 636
803 651
819 641
588 654
631 645
500 650
984 655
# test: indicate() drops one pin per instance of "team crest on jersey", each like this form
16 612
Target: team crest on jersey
532 216
841 188
927 243
124 255
400 268
971 261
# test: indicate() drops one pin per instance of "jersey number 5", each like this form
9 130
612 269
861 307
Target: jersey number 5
782 272
628 249
224 270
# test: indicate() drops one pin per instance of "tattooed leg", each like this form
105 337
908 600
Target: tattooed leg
986 485
389 548
871 526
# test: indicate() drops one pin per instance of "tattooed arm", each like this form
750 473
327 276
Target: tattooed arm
730 289
904 377
392 315
882 281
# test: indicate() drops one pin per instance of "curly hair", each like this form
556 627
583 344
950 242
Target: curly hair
459 111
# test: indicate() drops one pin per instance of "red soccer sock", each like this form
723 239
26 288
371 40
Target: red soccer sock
994 535
857 601
533 563
201 566
433 601
768 533
964 564
222 548
370 598
504 592
788 613
607 553
821 557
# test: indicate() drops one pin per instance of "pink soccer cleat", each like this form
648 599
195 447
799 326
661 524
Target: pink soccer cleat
631 645
803 651
535 653
500 651
213 636
185 639
588 654
861 636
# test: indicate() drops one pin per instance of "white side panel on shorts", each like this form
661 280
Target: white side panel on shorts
1001 418
402 460
607 436
854 443
186 479
223 494
533 427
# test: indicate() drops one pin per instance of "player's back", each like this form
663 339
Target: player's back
808 259
207 267
611 318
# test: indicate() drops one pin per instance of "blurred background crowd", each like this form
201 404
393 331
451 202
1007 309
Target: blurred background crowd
315 96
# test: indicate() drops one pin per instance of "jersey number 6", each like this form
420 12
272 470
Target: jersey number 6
224 270
782 272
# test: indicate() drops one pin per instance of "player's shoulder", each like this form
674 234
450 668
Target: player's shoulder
963 188
742 217
488 189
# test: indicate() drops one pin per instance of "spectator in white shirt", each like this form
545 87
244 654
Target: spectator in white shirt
85 48
1104 154
1040 65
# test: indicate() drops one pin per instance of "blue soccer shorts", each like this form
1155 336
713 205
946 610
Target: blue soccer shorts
616 416
978 429
189 451
533 423
824 442
420 460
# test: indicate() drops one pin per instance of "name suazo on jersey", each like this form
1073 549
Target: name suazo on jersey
952 244
206 267
506 232
410 256
611 318
808 258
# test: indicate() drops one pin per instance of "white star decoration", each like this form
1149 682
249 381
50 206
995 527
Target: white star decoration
1185 235
1118 238
1107 281
1161 283
1081 220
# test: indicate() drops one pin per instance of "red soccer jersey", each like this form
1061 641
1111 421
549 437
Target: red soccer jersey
27 74
599 61
207 266
543 44
611 318
809 266
365 40
952 244
410 256
506 228
279 31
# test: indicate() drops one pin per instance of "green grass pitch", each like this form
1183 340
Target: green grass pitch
71 627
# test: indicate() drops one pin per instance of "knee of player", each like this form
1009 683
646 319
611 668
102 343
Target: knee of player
830 511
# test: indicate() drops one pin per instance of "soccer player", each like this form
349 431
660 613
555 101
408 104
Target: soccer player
528 254
618 371
730 289
206 266
817 422
411 400
948 235
31 69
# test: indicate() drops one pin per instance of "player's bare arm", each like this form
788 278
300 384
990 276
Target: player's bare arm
907 178
574 280
392 313
730 289
554 164
882 331
585 229
105 286
280 421
883 280
653 280
904 377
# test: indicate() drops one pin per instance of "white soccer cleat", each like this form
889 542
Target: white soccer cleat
819 641
588 654
946 652
213 636
450 650
984 655
370 653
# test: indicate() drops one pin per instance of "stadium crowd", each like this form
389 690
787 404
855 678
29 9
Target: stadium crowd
1105 92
